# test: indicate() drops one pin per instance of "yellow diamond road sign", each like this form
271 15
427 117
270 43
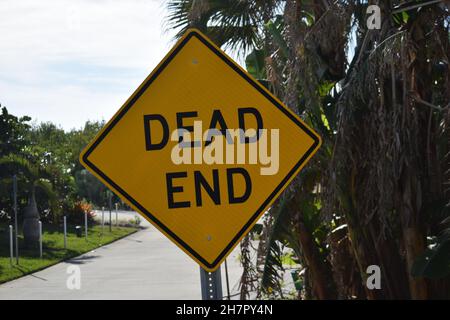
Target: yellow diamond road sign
201 150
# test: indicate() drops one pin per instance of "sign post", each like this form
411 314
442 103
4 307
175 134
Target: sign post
205 150
227 280
211 283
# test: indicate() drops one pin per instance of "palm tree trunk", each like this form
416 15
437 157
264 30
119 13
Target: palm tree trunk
320 271
414 246
413 237
31 220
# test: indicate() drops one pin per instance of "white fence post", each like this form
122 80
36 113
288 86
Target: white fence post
117 214
40 239
85 226
103 218
65 232
16 224
11 246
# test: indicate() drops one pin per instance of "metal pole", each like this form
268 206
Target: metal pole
211 283
228 281
40 239
117 214
65 232
11 245
85 226
16 228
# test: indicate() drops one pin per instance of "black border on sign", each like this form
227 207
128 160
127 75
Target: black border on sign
137 96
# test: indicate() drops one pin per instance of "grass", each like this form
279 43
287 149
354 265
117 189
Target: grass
53 248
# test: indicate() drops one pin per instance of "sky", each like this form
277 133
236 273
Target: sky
69 61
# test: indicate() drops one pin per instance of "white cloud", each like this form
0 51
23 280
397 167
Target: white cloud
70 61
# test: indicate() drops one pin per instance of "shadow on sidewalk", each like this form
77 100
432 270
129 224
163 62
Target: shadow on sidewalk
82 259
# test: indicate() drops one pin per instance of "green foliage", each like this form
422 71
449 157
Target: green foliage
13 133
255 64
45 159
275 28
13 140
75 212
271 276
282 234
33 181
229 23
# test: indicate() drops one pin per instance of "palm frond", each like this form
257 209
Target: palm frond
17 164
280 235
45 186
236 25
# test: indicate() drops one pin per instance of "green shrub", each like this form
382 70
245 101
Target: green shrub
75 213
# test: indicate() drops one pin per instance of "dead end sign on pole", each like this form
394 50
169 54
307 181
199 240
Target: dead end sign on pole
174 151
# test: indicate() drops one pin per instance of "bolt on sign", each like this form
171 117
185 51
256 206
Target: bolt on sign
201 150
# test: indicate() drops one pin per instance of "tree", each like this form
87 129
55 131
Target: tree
31 176
87 186
13 133
378 188
13 139
50 146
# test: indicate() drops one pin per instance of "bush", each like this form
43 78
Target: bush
75 214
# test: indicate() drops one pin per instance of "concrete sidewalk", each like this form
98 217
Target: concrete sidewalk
144 265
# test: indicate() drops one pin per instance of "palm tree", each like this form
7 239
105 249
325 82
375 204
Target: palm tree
33 177
377 191
237 25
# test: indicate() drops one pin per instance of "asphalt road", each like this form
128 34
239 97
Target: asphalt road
144 265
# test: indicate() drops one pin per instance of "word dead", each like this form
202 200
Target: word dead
218 144
194 146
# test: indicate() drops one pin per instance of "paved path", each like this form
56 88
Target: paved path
144 265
